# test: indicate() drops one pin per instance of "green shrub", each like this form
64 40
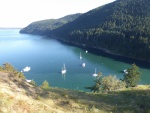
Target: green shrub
45 85
110 83
107 83
9 68
33 83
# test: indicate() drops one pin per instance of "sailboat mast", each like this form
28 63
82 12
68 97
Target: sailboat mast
64 67
80 56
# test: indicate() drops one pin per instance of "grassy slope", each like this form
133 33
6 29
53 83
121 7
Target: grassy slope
18 96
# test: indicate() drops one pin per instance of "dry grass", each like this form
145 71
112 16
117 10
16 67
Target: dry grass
18 96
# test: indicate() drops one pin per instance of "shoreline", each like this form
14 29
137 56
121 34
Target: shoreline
99 51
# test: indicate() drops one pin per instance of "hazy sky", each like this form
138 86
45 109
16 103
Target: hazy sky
20 13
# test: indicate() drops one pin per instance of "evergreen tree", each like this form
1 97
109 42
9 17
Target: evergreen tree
132 77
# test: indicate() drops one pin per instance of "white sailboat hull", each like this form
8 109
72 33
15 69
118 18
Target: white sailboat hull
63 71
83 64
95 74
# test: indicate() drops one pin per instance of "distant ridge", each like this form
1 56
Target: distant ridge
44 26
121 27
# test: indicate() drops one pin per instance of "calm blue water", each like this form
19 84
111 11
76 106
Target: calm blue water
47 56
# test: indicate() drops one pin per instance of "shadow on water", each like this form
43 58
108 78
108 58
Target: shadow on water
142 64
124 59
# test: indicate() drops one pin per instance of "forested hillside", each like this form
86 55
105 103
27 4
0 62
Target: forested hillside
121 27
44 26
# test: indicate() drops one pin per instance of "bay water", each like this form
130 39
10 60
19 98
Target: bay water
46 56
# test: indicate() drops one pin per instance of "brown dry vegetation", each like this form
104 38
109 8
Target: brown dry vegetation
18 96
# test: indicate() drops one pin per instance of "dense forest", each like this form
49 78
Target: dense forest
42 27
121 27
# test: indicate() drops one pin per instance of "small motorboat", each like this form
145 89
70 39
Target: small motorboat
26 69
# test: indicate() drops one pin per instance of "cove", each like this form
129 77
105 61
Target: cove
46 57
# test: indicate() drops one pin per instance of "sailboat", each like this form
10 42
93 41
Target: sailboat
83 64
63 71
80 56
95 74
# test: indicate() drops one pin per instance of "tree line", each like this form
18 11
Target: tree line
121 27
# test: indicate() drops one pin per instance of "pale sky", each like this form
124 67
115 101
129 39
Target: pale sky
20 13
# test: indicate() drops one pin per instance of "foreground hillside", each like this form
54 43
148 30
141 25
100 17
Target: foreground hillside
19 96
119 27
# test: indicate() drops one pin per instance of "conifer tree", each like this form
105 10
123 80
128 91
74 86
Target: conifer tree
132 77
